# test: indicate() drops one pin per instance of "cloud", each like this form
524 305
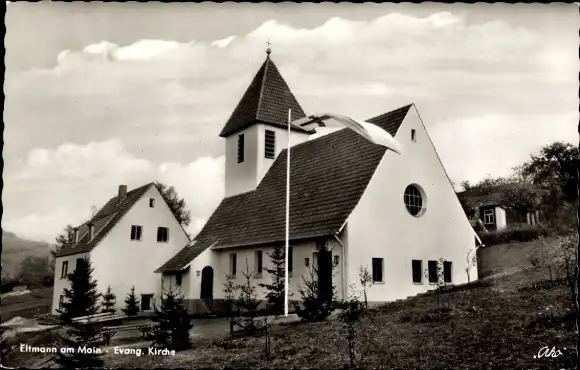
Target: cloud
491 84
472 147
67 181
223 42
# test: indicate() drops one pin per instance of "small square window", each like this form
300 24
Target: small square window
307 262
335 261
162 234
151 202
377 270
136 231
413 135
178 279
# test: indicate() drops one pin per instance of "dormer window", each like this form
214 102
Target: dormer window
241 148
270 144
413 135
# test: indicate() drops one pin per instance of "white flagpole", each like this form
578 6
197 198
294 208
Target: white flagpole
287 217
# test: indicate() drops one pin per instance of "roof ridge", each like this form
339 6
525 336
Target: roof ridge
335 133
262 84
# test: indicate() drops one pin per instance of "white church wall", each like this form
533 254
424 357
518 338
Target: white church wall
242 177
220 261
122 263
381 227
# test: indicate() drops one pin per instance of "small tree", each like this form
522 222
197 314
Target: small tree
63 240
109 301
366 280
441 284
470 262
131 304
230 292
267 325
315 308
540 260
568 250
350 317
81 300
82 296
276 289
174 322
248 303
176 203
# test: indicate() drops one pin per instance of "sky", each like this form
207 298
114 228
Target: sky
103 94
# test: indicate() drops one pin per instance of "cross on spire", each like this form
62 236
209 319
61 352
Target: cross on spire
268 50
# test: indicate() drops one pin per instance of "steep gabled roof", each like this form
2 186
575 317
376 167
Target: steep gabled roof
105 220
328 175
266 100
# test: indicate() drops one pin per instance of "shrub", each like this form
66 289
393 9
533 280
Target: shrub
109 301
81 299
515 233
174 322
315 308
131 304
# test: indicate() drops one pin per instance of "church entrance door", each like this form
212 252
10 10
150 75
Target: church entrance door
324 275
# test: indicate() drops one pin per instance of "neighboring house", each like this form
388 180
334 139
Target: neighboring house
487 207
126 240
352 204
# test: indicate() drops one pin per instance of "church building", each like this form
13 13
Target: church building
353 204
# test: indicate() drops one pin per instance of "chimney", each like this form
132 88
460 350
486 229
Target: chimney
122 192
76 235
91 231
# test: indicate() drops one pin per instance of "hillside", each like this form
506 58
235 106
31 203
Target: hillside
15 249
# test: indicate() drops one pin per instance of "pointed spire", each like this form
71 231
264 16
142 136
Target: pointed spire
266 100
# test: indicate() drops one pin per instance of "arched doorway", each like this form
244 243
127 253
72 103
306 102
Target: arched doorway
206 291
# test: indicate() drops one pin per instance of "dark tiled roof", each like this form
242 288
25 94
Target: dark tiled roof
266 100
328 176
104 221
475 198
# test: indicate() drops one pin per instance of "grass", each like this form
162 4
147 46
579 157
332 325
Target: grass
28 305
505 257
497 322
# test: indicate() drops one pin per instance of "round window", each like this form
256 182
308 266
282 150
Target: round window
413 200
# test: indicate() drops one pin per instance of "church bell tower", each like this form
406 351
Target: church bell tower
257 130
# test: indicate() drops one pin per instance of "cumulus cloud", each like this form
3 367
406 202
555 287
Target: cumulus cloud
476 85
68 180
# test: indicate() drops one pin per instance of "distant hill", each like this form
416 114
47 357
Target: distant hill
15 249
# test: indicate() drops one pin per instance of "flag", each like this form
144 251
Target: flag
369 131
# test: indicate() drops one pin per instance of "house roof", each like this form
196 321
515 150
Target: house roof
266 100
104 221
327 178
491 196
